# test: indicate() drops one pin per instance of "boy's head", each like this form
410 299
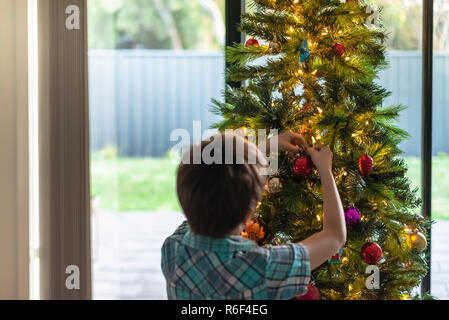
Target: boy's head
220 190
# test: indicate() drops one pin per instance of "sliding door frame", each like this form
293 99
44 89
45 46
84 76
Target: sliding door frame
427 126
64 219
64 141
234 10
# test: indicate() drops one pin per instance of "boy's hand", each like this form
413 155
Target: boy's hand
321 157
289 141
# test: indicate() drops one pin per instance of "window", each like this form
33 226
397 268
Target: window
153 68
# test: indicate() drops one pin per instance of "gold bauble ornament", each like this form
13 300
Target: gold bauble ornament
417 241
275 47
274 185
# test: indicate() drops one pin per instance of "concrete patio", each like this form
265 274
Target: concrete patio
126 255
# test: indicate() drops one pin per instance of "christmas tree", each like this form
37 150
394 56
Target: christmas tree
310 67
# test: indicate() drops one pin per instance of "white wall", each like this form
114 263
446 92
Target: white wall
13 155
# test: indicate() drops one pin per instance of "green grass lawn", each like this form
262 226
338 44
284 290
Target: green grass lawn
440 183
124 184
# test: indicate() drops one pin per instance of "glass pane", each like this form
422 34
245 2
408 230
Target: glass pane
154 65
402 20
440 189
403 76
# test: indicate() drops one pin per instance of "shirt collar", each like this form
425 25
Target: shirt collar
230 244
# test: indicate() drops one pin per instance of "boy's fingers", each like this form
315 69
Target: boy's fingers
310 151
299 140
293 149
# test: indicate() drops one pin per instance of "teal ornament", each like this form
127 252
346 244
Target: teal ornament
337 257
305 52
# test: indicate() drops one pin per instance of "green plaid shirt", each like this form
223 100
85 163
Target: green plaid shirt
234 268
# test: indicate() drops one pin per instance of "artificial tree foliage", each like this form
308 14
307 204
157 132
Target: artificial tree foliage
334 100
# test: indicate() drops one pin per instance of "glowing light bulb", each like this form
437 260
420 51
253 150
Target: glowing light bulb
405 297
318 217
314 72
245 130
347 58
345 260
320 110
313 140
350 287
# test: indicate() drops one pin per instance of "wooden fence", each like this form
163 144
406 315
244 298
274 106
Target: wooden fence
138 97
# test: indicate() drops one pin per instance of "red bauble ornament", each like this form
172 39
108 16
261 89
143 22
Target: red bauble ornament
339 49
371 253
251 43
366 164
303 166
312 294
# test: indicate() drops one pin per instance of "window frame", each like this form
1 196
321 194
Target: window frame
427 127
65 230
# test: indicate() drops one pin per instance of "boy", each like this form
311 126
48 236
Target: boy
206 258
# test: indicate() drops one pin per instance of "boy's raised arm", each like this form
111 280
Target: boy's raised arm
323 245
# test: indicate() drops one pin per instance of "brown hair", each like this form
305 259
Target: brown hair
217 197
